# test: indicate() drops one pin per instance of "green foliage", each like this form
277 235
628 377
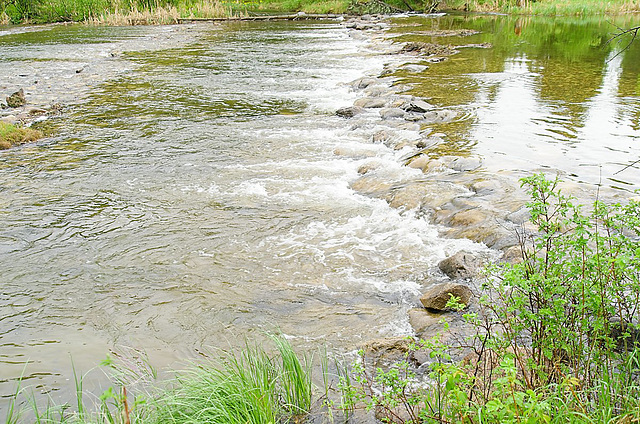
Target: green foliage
557 333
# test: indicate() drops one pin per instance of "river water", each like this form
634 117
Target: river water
197 190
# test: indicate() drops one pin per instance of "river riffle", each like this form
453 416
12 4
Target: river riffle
200 189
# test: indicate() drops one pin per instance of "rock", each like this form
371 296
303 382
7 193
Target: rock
364 82
382 136
349 112
368 167
520 216
468 217
426 323
370 102
378 91
390 113
460 265
461 164
372 186
415 69
429 49
485 187
17 99
386 352
439 116
419 162
437 297
512 255
419 106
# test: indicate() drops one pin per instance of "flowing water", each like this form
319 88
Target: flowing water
192 197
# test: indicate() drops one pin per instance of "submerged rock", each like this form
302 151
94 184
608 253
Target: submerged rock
17 99
437 297
461 265
349 111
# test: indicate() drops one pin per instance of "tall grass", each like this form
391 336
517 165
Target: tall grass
251 386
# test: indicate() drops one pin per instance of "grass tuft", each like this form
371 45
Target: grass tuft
11 135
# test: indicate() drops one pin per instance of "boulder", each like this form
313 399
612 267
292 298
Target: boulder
437 297
349 112
460 265
17 99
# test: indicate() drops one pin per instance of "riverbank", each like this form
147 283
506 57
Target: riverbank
141 12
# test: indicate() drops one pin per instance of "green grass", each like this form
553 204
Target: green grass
546 7
11 135
251 386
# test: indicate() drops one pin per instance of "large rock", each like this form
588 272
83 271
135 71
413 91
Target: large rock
460 265
437 297
17 99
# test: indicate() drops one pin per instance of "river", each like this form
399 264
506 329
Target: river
198 190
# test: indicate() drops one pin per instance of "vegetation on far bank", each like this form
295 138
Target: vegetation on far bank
134 12
557 341
11 135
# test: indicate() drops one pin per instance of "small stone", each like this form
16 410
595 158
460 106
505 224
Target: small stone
17 99
437 297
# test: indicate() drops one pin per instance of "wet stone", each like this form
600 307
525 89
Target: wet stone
437 297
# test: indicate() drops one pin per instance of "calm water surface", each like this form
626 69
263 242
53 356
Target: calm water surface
552 94
192 197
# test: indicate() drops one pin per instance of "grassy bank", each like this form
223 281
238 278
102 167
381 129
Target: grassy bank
546 7
557 341
11 135
136 12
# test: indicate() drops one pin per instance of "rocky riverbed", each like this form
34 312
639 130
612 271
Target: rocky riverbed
453 191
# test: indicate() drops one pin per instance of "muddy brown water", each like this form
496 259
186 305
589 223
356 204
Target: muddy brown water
198 190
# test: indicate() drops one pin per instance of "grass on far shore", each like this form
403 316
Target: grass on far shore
11 135
144 12
547 7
